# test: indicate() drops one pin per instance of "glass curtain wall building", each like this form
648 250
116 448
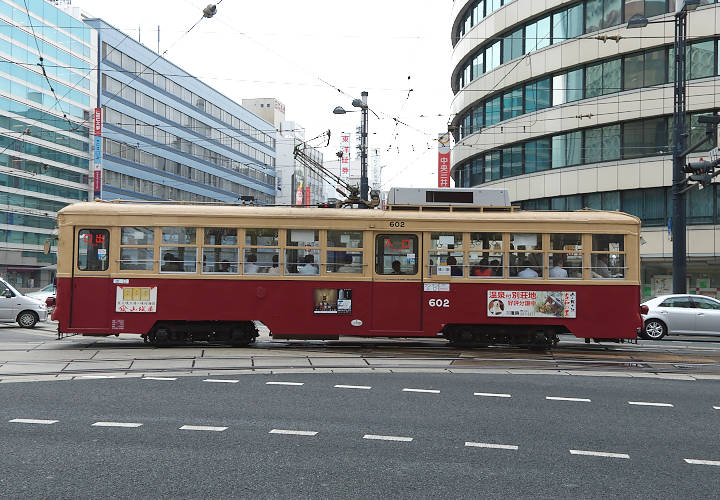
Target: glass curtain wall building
46 93
168 136
566 108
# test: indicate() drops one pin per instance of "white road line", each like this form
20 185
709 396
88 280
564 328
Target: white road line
716 407
32 421
116 424
293 433
284 383
159 378
599 454
580 400
387 438
643 403
221 381
97 376
702 462
366 387
491 445
202 428
492 395
429 391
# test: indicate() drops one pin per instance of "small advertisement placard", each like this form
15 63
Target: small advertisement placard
332 301
136 299
531 304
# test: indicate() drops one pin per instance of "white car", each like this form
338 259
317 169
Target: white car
43 293
681 315
16 307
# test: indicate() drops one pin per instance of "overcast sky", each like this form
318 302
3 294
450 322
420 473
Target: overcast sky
302 52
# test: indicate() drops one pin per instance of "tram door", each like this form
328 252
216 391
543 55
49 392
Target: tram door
397 283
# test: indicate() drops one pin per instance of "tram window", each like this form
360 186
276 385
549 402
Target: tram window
446 241
450 264
137 236
219 260
565 265
221 236
261 261
178 259
302 262
93 245
396 254
566 242
261 237
136 259
526 258
608 242
607 266
303 238
341 261
485 258
179 235
345 239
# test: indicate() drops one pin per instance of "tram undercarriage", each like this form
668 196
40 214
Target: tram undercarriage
240 333
540 337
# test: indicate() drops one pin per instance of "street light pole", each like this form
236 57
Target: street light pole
364 147
679 233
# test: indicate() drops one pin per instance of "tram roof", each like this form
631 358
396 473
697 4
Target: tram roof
110 209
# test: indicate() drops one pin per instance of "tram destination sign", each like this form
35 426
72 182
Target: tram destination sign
531 304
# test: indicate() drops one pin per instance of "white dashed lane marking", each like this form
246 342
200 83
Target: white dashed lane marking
695 461
429 391
293 433
578 400
284 383
117 424
387 438
32 421
599 454
492 395
491 445
221 381
97 376
366 387
159 378
716 407
644 403
202 428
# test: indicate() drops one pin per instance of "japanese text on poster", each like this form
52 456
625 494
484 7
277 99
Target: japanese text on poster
531 304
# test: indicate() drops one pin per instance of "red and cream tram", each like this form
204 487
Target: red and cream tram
473 275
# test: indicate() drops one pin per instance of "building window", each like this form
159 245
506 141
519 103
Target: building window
701 60
513 46
492 112
512 104
537 155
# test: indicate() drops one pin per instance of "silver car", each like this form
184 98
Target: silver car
681 315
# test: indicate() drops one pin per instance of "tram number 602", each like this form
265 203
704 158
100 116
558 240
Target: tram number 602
439 302
397 224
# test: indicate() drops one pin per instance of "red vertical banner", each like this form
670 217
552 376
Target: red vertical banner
444 160
97 154
307 195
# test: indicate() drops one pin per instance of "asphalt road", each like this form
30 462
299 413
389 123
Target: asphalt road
382 435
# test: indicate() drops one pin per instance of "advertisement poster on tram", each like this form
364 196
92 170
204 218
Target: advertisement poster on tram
137 299
332 301
531 304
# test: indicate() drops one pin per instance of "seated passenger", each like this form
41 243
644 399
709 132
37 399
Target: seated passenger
528 272
495 268
250 266
171 263
309 266
483 269
275 269
347 267
558 271
601 269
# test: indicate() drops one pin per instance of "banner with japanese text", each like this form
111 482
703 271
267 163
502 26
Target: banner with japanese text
444 160
531 304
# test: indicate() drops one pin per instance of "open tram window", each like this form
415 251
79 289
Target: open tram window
344 252
180 257
525 259
396 254
137 248
566 259
93 245
607 260
220 253
485 255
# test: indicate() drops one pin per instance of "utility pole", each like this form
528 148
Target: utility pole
364 147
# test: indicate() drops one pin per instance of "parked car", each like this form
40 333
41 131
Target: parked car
14 306
43 293
681 315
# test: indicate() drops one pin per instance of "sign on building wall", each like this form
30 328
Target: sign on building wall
345 159
444 160
97 156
